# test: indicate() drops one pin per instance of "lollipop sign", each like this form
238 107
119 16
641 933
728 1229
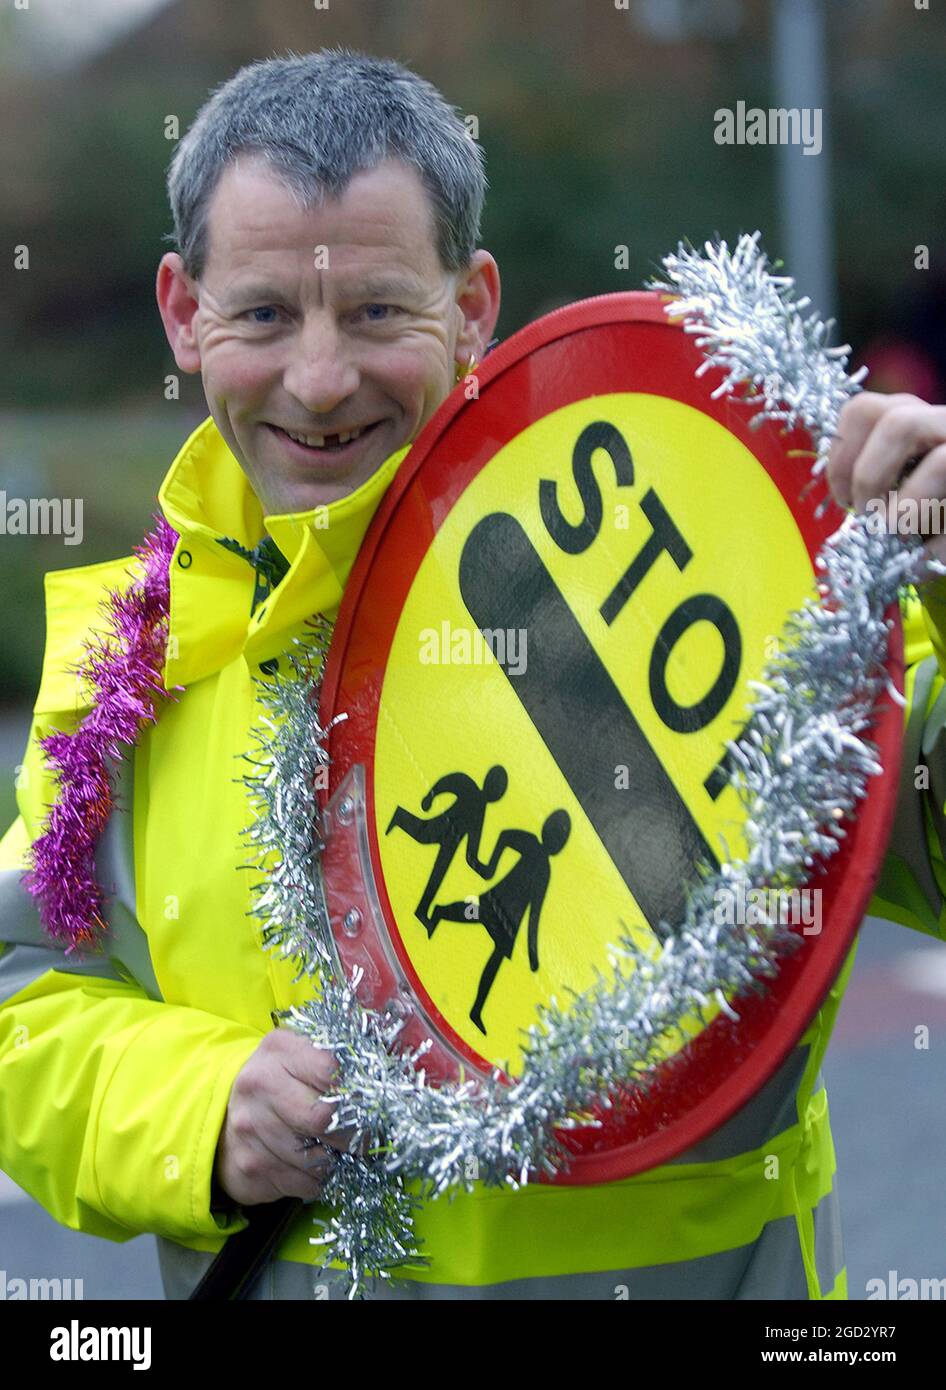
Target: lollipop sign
548 641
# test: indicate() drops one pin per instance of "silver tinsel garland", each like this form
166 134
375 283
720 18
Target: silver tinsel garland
800 769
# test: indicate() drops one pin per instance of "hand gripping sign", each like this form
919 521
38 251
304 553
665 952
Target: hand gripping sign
545 644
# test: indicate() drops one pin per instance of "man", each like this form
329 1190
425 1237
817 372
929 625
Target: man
327 287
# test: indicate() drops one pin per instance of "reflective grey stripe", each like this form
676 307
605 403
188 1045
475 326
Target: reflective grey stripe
767 1114
126 940
21 965
924 741
829 1245
125 943
27 951
771 1267
19 918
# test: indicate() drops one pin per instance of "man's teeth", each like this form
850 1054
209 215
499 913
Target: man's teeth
317 441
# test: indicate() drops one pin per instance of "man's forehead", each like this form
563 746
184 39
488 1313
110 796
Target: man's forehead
259 282
381 219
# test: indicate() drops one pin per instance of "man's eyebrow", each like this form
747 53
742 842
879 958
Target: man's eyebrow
379 287
255 292
348 288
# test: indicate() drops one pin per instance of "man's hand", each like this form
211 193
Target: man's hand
878 436
274 1105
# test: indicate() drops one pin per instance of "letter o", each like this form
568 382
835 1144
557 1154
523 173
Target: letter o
687 719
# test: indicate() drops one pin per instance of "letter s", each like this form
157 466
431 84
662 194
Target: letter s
574 539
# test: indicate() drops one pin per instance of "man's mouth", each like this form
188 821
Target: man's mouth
326 444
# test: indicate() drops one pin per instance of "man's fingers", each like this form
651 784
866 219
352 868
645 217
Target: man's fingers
301 1182
858 417
857 420
299 1110
919 507
309 1064
286 1168
276 1141
920 499
299 1105
905 431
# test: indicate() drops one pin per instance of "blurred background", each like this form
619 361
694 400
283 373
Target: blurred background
598 119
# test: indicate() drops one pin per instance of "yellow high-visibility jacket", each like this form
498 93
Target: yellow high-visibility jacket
116 1069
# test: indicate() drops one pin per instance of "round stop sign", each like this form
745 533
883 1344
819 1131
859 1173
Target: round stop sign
544 646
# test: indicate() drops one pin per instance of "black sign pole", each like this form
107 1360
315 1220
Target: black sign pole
238 1265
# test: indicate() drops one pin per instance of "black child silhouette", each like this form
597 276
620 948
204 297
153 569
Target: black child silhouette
502 907
463 818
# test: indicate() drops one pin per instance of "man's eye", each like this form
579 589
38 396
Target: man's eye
266 313
377 313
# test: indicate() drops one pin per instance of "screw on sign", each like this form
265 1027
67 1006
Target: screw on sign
547 641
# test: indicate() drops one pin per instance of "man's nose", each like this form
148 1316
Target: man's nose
320 372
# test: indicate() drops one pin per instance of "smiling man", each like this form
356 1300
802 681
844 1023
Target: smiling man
327 286
326 336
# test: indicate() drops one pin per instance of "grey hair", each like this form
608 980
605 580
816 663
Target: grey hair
318 119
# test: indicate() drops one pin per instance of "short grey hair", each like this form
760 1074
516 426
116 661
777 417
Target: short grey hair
318 119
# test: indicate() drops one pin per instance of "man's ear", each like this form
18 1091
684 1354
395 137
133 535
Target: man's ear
177 304
478 296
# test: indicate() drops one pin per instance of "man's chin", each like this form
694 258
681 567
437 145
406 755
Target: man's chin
303 497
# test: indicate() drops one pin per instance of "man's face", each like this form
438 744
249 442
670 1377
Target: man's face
336 321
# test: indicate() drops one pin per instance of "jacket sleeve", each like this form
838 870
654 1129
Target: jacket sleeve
111 1101
911 889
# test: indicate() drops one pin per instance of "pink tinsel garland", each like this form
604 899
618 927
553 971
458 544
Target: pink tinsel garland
123 668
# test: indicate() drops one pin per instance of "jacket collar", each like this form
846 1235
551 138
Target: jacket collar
206 497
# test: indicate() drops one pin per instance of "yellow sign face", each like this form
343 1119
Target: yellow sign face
572 656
